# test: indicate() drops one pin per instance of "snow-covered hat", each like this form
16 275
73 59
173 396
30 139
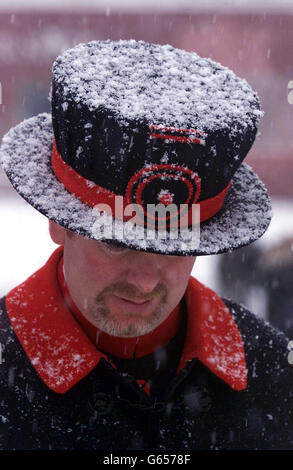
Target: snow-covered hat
151 124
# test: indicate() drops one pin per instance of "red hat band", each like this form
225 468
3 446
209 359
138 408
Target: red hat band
167 184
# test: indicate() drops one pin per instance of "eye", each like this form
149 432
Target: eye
119 250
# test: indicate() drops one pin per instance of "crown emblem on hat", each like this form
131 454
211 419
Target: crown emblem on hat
165 197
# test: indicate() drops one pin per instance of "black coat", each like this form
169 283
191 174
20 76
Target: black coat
107 410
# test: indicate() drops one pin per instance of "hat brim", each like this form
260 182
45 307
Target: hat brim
25 155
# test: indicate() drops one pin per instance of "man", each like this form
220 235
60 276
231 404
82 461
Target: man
112 345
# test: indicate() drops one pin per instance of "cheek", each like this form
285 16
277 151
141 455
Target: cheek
173 276
178 272
98 274
87 264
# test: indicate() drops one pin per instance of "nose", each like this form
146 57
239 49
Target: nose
144 271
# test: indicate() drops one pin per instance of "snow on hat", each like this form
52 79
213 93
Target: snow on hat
147 124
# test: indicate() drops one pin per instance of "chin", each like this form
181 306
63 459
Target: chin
134 329
128 327
127 324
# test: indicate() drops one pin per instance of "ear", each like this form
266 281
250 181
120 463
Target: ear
57 233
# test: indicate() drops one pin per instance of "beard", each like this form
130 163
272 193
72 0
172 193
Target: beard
128 324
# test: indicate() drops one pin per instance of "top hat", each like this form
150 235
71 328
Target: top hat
138 124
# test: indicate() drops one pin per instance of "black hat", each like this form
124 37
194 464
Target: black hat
143 124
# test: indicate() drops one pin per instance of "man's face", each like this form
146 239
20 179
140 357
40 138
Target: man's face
123 292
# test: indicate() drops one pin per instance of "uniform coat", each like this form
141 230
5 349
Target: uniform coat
233 388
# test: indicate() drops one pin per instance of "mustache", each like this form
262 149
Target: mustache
128 290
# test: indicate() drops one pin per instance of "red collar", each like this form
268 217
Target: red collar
63 354
127 348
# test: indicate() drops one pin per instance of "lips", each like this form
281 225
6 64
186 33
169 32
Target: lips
126 305
135 302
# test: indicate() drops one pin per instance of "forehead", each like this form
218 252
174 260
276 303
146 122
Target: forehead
127 255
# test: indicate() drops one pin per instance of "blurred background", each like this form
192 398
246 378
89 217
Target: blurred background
254 39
